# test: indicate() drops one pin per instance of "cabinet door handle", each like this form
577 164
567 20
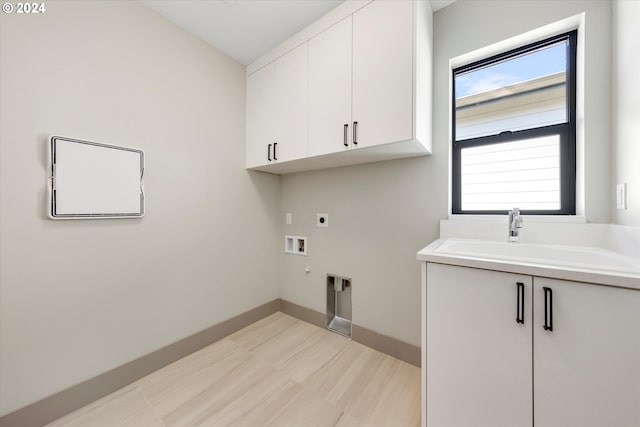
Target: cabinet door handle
269 152
346 131
275 146
355 133
520 302
548 309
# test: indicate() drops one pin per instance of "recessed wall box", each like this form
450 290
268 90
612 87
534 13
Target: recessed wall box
339 304
296 245
89 180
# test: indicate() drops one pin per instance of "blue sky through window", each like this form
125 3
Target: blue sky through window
540 63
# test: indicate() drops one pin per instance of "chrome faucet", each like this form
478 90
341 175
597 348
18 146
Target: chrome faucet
515 224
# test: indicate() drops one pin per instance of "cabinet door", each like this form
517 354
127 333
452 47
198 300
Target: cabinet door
260 115
478 355
587 369
330 89
383 72
291 105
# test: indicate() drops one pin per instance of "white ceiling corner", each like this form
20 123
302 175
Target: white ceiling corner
246 29
439 4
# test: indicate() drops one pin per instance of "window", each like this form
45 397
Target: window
514 131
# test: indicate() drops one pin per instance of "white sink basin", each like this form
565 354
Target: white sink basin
569 256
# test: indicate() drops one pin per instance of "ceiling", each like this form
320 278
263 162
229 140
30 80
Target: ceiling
246 29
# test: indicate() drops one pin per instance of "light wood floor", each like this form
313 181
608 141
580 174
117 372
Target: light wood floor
279 371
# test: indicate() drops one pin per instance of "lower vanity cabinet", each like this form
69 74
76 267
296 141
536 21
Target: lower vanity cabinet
498 342
478 352
586 369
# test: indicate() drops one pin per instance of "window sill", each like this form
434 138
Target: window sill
572 219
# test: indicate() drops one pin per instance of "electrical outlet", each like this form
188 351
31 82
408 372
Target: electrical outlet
322 220
621 196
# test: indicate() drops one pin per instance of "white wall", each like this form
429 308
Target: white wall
468 25
626 108
81 297
382 213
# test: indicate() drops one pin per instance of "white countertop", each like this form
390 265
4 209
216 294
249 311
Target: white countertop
576 263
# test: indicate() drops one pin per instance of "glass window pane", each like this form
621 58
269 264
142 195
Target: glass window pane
523 92
523 174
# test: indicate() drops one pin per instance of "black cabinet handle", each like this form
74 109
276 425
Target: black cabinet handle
355 133
520 302
346 131
548 309
275 146
269 152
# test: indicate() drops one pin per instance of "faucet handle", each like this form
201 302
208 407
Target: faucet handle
518 221
515 223
515 219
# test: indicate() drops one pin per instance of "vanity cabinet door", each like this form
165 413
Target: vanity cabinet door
587 367
478 355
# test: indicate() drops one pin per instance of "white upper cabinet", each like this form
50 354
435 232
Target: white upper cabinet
383 73
330 89
260 116
291 105
277 110
367 95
